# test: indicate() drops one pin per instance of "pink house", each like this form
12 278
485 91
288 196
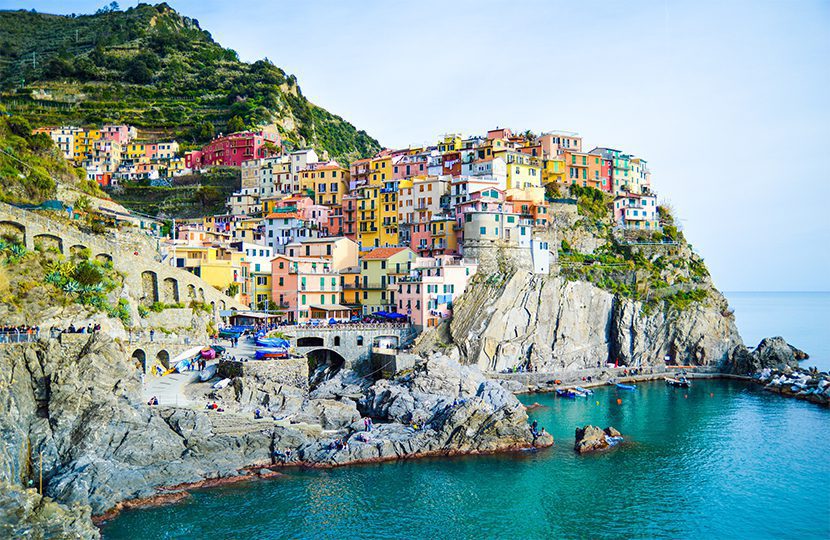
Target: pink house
233 149
428 293
121 134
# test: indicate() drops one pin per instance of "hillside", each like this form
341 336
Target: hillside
31 166
153 68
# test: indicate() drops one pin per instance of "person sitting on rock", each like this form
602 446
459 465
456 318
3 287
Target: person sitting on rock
153 401
257 414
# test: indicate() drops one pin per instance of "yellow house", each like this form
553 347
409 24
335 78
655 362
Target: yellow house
368 216
444 239
84 143
261 290
350 285
219 267
450 143
379 271
522 170
331 184
553 171
388 226
380 170
136 151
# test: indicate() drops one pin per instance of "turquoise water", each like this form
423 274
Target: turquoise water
722 458
802 318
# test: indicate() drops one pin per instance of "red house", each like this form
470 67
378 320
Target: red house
231 150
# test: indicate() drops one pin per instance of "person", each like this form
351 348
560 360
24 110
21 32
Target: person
152 334
371 424
153 401
257 414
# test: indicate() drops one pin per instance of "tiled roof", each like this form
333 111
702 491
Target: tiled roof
382 253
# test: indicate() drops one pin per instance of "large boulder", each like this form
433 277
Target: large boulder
773 353
593 439
25 514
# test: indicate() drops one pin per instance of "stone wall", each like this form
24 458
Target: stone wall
146 279
290 371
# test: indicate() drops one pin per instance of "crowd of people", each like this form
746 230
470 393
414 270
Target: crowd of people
18 334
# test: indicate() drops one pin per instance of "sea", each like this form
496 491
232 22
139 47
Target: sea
721 459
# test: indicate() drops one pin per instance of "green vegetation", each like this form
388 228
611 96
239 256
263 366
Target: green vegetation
194 195
652 267
151 67
158 307
591 202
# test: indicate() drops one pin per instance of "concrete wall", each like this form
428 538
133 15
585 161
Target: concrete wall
352 342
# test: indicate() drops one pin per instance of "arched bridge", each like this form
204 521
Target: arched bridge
149 280
349 344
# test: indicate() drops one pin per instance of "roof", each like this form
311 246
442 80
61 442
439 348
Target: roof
284 215
382 253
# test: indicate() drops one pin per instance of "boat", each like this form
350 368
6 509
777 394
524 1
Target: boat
221 384
585 391
271 352
208 373
680 382
181 362
271 342
565 393
622 386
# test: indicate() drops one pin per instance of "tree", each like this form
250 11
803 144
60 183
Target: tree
236 124
139 73
232 290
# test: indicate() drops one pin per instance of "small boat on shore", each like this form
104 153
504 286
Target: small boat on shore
622 386
584 391
680 382
565 393
208 373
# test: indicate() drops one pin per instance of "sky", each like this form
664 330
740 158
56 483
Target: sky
727 100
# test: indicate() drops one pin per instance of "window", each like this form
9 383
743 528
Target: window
303 299
281 282
482 230
359 340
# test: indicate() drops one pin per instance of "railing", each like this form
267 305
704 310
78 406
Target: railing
16 336
346 326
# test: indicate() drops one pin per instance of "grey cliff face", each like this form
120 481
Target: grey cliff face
101 445
554 324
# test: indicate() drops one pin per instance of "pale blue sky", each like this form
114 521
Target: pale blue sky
726 100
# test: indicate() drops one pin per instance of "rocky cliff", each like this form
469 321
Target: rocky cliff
79 408
550 323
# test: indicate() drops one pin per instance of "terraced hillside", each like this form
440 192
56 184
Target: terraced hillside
153 68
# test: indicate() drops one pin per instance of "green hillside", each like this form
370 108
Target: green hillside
151 67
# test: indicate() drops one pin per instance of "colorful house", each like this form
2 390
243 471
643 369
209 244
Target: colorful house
379 271
303 285
427 294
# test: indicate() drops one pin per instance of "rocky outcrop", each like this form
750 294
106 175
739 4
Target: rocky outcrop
593 439
81 408
773 353
25 514
552 324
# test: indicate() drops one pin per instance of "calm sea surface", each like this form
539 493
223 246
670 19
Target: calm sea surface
722 459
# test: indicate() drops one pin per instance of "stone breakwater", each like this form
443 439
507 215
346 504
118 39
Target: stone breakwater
101 445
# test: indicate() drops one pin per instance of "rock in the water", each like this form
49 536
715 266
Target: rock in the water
593 439
774 353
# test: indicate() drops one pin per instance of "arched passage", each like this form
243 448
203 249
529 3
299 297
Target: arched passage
103 258
323 364
310 342
163 358
78 250
140 358
191 293
49 241
201 295
150 287
13 230
170 291
336 341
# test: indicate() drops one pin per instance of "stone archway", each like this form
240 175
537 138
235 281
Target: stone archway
163 358
386 341
170 291
48 241
323 364
140 357
78 250
191 293
150 287
222 305
13 230
103 258
201 295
